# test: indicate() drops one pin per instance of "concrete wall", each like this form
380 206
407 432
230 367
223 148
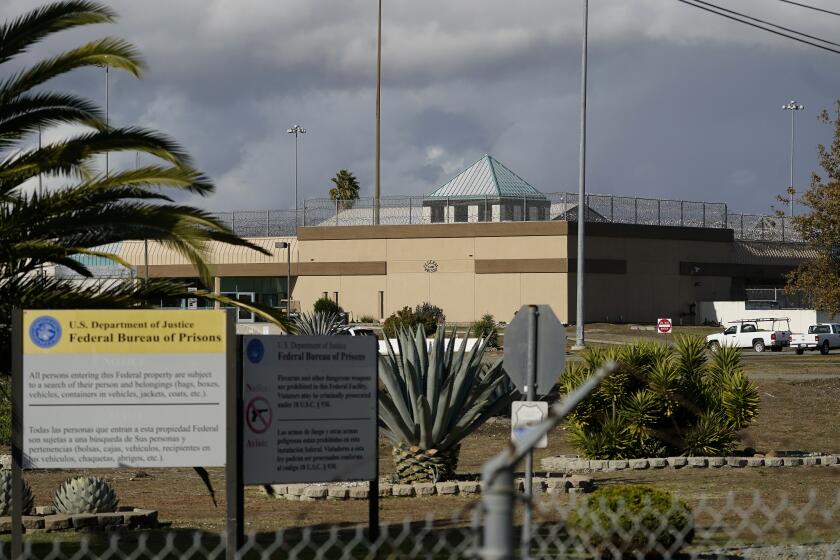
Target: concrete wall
443 264
634 273
654 282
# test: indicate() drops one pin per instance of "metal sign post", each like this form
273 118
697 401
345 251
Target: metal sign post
17 434
234 487
535 354
533 314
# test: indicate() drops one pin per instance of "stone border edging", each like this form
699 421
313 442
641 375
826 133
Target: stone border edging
569 465
575 484
46 520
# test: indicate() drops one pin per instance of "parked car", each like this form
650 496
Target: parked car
822 337
748 333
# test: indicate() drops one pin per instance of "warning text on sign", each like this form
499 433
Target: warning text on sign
310 409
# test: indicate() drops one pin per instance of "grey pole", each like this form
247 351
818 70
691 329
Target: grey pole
497 473
17 434
580 341
793 107
531 389
40 177
234 486
296 129
288 246
107 122
376 186
145 241
498 517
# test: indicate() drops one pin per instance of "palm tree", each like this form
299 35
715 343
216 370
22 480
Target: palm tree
346 189
89 209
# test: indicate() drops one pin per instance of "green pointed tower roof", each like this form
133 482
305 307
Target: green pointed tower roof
488 177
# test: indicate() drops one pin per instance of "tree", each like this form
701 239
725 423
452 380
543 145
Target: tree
818 279
346 189
89 208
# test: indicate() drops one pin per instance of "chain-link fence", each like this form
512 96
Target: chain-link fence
725 526
417 210
261 223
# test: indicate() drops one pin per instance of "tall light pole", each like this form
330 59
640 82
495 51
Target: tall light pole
107 123
40 177
297 129
288 246
376 191
580 340
793 107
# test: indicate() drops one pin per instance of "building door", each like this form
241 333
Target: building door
242 315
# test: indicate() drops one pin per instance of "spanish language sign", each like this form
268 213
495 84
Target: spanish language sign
123 388
310 408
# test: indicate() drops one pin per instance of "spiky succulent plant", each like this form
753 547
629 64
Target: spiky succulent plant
661 402
432 397
85 494
6 494
316 324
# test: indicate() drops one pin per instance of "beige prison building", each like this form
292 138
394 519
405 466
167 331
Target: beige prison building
489 242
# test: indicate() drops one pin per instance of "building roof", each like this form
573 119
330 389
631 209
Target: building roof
487 177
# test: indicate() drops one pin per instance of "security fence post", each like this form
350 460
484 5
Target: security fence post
498 504
497 473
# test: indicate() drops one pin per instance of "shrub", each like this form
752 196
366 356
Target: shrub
327 306
486 327
631 520
405 318
426 315
430 316
661 402
367 319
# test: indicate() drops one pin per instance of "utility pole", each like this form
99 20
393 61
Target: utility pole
376 186
580 341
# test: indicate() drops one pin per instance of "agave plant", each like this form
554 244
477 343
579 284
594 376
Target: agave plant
316 324
432 397
661 402
6 494
85 494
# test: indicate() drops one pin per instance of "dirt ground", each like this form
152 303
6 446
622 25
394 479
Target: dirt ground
798 412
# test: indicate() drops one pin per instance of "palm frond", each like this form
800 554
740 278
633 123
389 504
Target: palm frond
21 33
109 51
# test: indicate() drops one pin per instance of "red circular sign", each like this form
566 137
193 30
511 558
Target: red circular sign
258 415
664 326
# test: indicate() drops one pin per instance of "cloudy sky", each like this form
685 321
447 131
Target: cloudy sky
683 104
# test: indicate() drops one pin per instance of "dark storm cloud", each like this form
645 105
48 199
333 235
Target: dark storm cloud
683 104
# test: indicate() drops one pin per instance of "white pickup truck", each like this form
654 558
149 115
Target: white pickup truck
822 337
747 333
